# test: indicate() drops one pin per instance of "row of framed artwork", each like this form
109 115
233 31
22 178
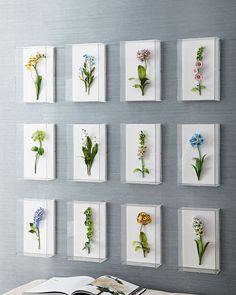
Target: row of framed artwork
141 233
141 154
140 71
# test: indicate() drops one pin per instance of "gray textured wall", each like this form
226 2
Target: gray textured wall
57 22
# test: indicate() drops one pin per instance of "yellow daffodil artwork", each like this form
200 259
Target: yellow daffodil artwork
32 66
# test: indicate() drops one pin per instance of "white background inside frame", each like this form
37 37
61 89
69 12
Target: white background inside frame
47 228
98 87
152 91
98 249
209 70
152 156
189 250
208 175
46 70
46 162
152 231
98 171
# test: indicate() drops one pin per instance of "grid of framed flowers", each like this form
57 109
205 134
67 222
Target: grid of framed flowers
198 64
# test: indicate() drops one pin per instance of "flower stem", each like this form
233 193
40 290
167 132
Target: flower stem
143 166
38 235
199 88
89 170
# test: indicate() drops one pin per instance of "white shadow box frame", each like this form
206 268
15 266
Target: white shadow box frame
129 153
210 175
75 88
27 243
128 69
130 232
187 52
188 255
46 169
76 231
25 88
77 170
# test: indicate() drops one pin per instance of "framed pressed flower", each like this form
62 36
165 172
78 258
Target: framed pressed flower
35 74
87 152
140 70
87 231
199 69
37 142
141 235
141 153
86 72
36 227
199 240
198 154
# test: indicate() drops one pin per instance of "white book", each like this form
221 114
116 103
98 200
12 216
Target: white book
86 285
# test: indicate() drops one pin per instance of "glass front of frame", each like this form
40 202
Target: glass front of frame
198 154
86 72
141 153
87 152
36 151
86 237
36 227
35 74
140 70
198 69
141 235
199 241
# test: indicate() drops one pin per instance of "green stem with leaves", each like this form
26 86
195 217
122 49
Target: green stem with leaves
201 248
39 136
199 163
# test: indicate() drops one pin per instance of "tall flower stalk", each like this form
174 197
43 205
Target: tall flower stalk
142 56
196 141
198 227
90 230
87 72
34 226
198 71
143 219
32 66
141 154
90 150
39 136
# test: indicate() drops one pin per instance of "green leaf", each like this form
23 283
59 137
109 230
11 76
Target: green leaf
130 79
143 81
137 86
32 231
85 72
88 143
141 72
34 149
94 150
204 248
143 237
195 89
137 170
146 170
40 151
137 248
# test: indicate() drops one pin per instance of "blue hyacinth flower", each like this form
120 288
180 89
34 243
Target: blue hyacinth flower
196 140
38 216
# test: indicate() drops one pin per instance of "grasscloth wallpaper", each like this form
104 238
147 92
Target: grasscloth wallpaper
57 22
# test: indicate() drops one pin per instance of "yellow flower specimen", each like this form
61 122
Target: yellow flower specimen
144 218
33 60
37 78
